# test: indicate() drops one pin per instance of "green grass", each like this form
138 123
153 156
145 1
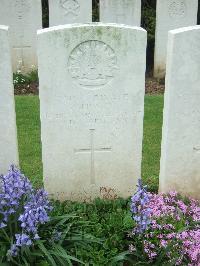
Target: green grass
152 140
28 123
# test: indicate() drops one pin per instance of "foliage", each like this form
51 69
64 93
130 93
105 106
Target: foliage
28 235
170 228
95 8
148 19
45 13
198 18
107 222
19 78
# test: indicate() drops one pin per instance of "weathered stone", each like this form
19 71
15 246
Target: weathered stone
180 160
69 11
8 132
171 14
121 11
91 109
24 18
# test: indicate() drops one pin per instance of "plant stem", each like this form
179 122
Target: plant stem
6 235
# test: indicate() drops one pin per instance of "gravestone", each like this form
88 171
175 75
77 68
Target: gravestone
121 11
180 159
24 17
69 11
8 132
91 109
171 14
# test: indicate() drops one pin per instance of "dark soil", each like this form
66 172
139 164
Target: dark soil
27 89
153 86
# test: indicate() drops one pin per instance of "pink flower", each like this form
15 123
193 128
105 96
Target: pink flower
163 243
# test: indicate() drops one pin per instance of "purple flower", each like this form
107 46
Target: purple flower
139 209
23 240
13 251
13 186
35 212
30 207
174 228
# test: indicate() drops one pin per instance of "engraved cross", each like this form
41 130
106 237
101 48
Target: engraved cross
92 152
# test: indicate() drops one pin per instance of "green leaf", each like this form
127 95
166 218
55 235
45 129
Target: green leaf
121 257
64 254
47 253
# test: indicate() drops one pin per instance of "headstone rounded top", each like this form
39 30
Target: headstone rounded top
93 24
184 29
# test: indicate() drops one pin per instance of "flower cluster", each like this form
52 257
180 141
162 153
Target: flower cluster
13 186
35 213
173 230
22 209
140 213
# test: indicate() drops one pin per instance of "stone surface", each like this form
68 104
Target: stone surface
24 17
171 14
121 11
69 11
180 160
8 132
91 109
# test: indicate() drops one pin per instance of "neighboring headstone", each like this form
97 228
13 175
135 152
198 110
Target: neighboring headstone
24 18
121 11
171 14
180 160
8 132
69 11
91 109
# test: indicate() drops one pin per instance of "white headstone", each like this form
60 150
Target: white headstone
180 160
121 11
69 11
171 14
91 109
24 17
8 132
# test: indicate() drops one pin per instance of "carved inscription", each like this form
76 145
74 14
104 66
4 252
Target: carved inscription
196 149
71 8
89 112
177 8
108 193
22 7
92 64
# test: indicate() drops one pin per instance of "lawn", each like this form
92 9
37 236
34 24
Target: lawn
28 123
